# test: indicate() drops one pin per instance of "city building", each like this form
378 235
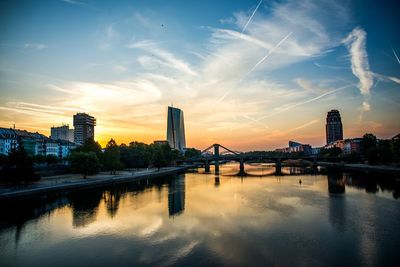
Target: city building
334 127
176 129
8 140
296 147
352 146
83 127
34 143
62 133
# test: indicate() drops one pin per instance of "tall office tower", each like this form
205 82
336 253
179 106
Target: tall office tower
62 133
176 129
334 127
83 127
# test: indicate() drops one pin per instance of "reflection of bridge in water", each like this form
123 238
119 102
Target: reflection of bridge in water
216 158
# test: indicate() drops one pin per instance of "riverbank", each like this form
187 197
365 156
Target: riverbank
361 167
74 182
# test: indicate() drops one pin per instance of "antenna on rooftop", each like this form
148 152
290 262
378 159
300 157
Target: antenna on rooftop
14 125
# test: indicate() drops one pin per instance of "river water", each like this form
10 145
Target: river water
197 219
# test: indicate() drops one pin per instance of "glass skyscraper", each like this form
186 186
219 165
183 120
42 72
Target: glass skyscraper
176 129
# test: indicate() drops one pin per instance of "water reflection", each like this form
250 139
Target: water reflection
84 207
336 183
186 221
176 196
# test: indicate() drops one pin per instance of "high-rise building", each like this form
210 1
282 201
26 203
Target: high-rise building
176 129
334 127
83 127
62 133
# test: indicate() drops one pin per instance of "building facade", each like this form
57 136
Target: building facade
83 127
334 127
176 129
62 133
34 143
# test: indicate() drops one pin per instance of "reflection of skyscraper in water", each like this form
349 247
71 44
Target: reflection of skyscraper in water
176 196
176 129
336 183
337 202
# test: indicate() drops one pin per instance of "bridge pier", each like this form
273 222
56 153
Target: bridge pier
207 166
216 181
216 158
241 167
278 167
216 165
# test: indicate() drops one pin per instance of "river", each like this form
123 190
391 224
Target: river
197 219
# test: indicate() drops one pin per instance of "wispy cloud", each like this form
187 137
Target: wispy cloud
36 46
356 44
74 2
171 60
309 86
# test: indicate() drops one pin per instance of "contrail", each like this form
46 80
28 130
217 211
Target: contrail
268 54
251 17
255 66
394 52
299 104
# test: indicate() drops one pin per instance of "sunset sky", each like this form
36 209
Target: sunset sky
250 75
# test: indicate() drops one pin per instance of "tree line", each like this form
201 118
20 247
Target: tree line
90 158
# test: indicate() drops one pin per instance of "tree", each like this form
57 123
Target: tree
385 151
18 167
368 142
85 163
90 146
51 159
111 157
192 153
139 155
330 152
158 157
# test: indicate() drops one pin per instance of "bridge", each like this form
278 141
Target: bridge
214 157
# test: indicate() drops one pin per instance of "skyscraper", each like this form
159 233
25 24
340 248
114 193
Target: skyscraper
176 129
334 127
62 133
83 127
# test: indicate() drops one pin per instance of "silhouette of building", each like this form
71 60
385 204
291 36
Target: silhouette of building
334 127
176 129
83 127
62 133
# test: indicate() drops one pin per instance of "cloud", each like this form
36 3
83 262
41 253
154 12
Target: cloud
120 68
356 44
366 106
36 46
309 86
168 58
74 2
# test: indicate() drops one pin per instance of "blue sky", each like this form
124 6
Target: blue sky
249 74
